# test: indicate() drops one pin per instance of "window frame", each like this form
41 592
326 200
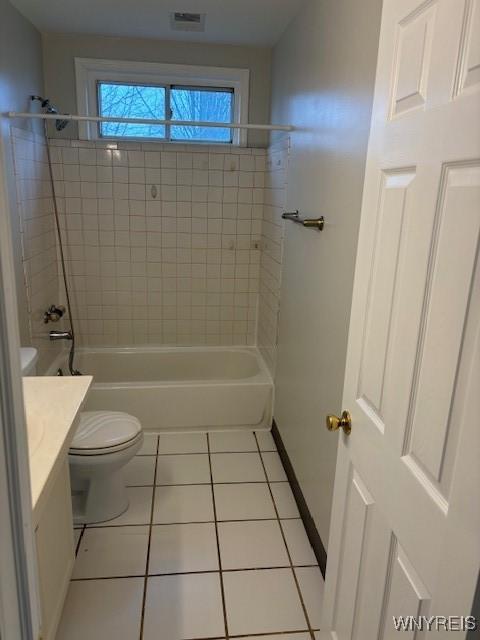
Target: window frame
90 72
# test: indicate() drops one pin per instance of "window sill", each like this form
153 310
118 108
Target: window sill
202 143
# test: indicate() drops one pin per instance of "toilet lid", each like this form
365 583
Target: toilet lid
104 429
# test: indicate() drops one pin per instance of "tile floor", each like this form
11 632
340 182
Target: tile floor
211 547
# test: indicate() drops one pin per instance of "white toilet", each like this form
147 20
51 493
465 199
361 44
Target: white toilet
102 445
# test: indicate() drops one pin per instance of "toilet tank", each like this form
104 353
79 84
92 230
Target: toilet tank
28 361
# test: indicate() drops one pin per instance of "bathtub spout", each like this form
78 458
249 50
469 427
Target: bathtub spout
61 335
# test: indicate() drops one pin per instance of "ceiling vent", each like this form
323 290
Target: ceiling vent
182 21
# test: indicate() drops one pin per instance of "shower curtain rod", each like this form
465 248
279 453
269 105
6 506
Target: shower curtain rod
187 123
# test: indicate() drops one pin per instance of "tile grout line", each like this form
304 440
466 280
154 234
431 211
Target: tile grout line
166 524
261 636
147 562
222 587
186 573
191 484
202 453
310 628
77 546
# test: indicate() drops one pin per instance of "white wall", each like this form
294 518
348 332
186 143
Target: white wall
59 50
21 75
323 77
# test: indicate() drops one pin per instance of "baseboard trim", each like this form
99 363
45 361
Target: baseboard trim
310 528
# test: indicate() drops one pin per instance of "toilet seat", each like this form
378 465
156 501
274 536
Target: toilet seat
104 432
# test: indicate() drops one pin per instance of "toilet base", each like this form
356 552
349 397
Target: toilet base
98 485
100 499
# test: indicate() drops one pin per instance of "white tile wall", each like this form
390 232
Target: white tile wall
163 243
39 244
272 249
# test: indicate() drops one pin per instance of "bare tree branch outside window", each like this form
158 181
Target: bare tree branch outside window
186 103
132 101
204 106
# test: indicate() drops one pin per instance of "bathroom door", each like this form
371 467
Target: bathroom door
405 533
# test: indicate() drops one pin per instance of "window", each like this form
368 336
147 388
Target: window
161 92
203 104
131 101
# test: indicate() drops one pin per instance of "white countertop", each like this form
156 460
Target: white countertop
52 405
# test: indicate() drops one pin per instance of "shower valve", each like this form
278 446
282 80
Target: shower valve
53 314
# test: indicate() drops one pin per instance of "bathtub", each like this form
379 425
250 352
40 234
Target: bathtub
181 388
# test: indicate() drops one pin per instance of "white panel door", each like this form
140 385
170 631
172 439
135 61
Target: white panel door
405 533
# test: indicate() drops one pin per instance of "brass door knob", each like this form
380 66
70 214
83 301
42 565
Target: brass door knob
345 422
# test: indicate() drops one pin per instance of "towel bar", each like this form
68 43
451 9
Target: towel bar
309 223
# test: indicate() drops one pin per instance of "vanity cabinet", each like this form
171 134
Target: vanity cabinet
52 408
55 551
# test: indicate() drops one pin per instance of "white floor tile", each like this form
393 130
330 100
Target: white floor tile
262 602
266 441
243 501
139 508
252 544
183 606
112 552
100 609
284 500
298 544
183 504
312 587
189 605
180 548
232 441
76 536
274 467
183 443
149 446
237 467
183 469
140 471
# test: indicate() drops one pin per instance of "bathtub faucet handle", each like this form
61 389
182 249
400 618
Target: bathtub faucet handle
53 313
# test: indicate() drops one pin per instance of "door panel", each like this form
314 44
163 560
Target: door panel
412 61
468 75
358 507
405 594
391 225
447 298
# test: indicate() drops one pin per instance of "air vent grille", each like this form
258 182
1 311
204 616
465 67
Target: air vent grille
183 21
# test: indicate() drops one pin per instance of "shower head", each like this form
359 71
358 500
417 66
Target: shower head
51 109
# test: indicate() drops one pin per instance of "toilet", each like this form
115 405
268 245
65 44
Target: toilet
104 442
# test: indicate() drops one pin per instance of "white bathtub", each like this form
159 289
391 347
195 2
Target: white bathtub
181 388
